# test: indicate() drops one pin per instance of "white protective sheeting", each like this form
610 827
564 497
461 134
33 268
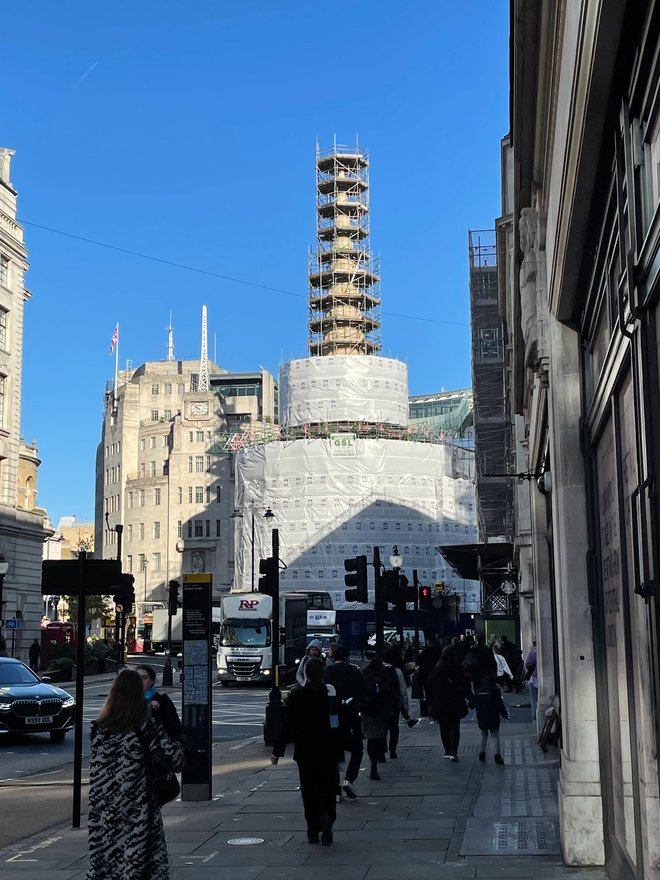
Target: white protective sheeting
328 508
342 388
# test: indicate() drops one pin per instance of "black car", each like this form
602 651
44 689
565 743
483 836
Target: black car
30 705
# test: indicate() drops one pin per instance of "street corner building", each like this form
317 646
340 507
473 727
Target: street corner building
578 246
23 527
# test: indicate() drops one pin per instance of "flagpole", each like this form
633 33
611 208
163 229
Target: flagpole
116 366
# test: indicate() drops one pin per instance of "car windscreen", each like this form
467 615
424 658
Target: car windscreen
236 632
16 673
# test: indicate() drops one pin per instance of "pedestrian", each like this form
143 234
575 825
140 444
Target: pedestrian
126 836
3 646
428 660
311 723
400 702
314 649
447 706
364 644
532 679
158 703
377 707
34 653
479 660
504 676
349 685
490 706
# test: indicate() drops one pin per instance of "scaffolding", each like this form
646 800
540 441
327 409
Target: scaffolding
344 278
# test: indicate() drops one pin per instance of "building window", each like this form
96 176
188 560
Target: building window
199 436
154 415
129 500
217 528
179 528
194 381
142 562
129 532
154 390
168 388
208 528
167 415
199 528
142 444
4 271
208 494
152 468
190 436
129 563
166 467
156 497
142 467
199 494
156 531
140 531
190 464
180 494
181 388
208 435
152 442
208 463
199 464
190 494
141 498
164 440
155 562
217 494
3 384
190 528
3 328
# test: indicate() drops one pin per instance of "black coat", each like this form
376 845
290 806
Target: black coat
479 661
167 714
446 695
428 659
306 724
490 706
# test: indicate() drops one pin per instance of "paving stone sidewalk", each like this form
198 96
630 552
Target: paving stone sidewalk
427 818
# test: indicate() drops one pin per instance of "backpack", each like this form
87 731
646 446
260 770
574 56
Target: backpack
379 695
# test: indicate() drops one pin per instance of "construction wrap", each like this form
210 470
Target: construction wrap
343 388
333 501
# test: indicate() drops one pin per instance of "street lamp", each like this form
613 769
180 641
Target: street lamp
4 568
396 562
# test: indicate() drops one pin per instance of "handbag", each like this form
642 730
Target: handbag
162 780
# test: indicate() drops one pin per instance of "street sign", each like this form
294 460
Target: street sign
13 623
196 697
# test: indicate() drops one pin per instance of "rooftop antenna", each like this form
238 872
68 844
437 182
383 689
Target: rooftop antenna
215 347
170 340
204 357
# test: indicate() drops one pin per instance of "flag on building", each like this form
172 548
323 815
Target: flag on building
115 337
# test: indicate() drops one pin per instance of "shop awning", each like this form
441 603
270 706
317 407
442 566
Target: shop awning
472 561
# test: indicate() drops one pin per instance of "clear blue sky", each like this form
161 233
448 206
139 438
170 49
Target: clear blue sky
187 131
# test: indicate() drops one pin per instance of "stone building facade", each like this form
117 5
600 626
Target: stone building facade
580 242
165 470
22 528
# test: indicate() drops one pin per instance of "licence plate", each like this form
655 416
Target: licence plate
242 678
39 719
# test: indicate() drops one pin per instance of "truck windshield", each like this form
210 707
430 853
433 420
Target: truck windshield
235 631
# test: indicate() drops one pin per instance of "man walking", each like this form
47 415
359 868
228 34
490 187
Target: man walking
532 679
350 687
479 661
34 653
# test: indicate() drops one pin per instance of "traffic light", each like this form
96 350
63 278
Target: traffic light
425 598
268 582
173 598
389 586
439 586
357 579
125 595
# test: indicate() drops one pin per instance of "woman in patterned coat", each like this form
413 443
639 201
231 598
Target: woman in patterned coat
126 836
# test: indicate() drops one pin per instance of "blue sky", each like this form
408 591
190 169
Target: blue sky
187 131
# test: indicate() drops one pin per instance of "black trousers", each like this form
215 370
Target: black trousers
376 748
450 733
318 787
355 747
393 731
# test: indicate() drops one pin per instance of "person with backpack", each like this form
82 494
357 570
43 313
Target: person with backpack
311 723
400 701
447 705
350 687
377 706
490 706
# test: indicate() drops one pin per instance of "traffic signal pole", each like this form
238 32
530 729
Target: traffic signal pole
379 606
80 694
273 724
416 586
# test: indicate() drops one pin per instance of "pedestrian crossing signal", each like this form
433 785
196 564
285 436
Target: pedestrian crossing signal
425 598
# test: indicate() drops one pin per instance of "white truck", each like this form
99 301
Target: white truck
159 630
245 642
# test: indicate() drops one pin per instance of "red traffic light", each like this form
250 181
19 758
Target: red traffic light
425 592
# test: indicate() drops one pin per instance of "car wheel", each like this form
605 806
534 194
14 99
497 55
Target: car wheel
57 736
